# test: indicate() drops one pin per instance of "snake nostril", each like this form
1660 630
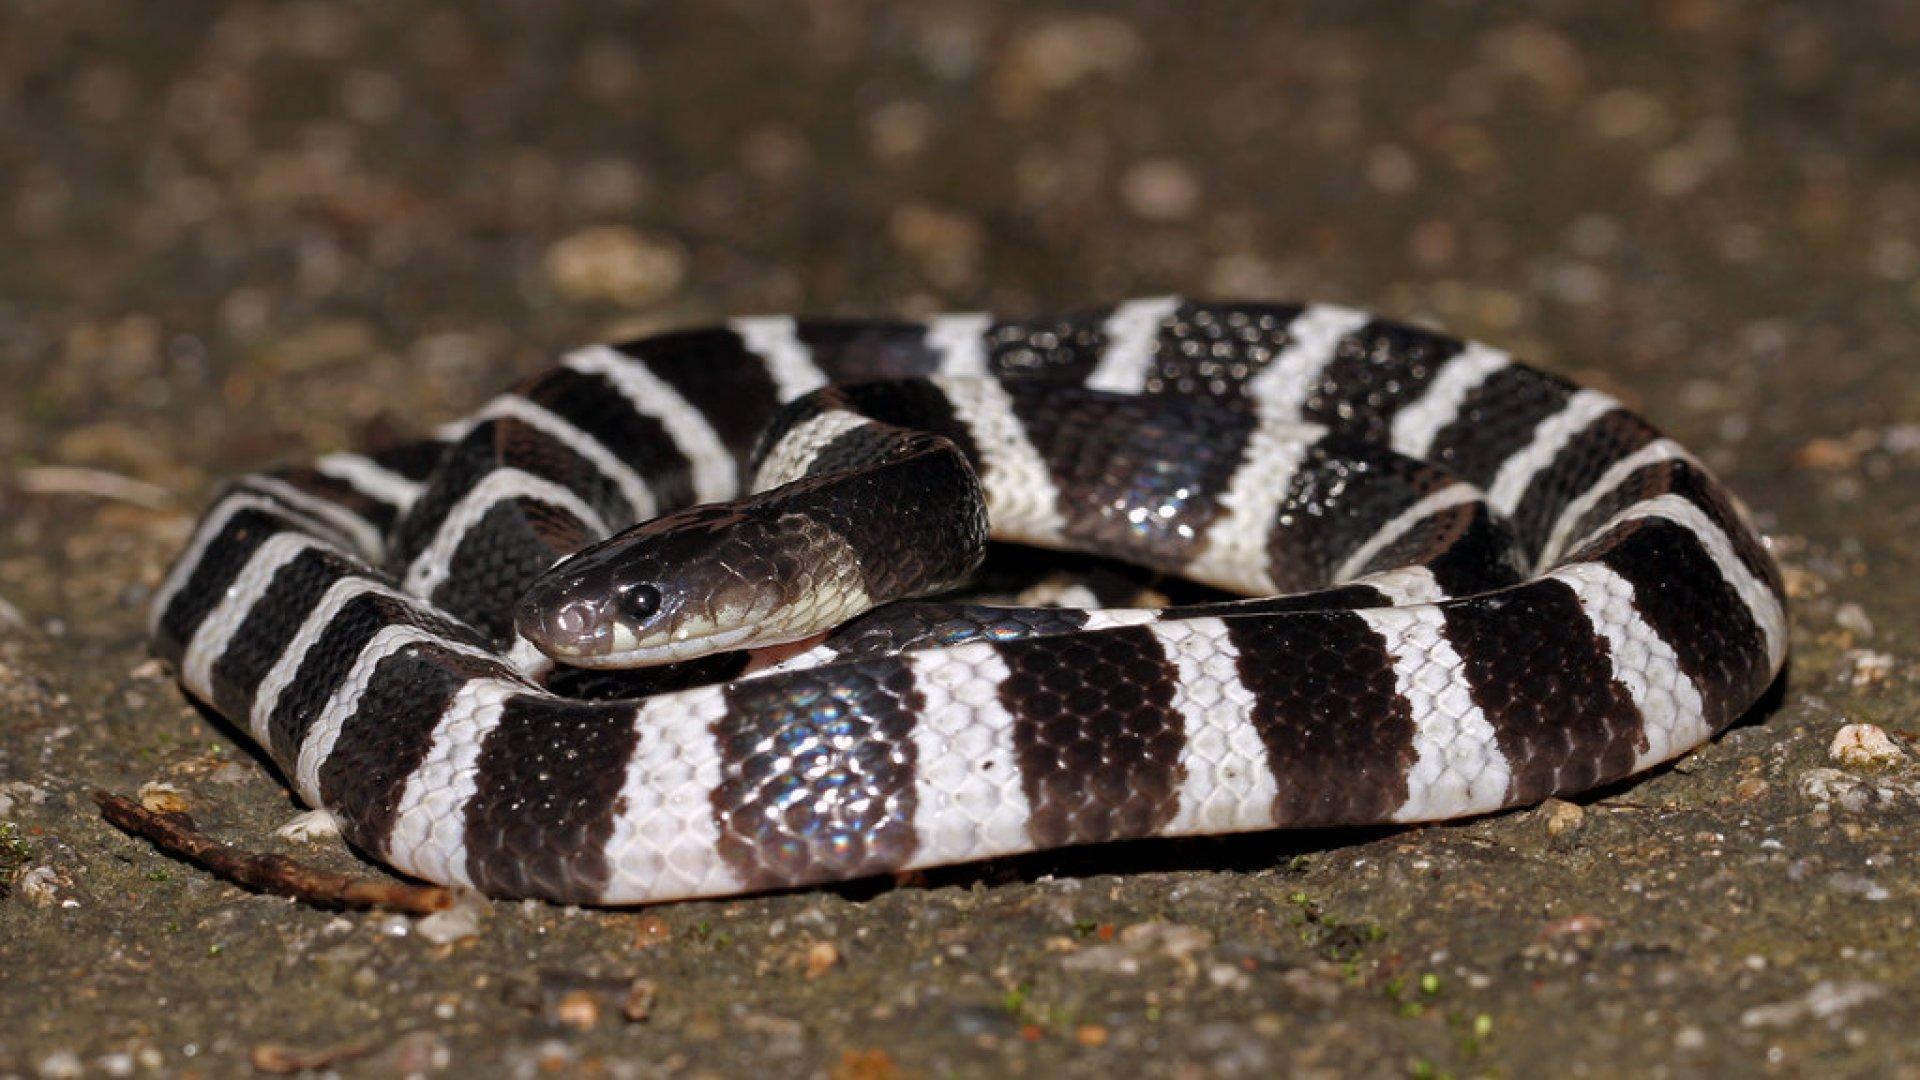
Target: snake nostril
573 620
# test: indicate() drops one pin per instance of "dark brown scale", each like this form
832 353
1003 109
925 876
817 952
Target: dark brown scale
1213 350
413 460
328 662
1557 713
1692 483
388 735
592 404
713 371
464 464
817 774
532 450
911 403
797 413
1681 594
899 628
1340 496
517 540
1338 736
1375 371
271 626
852 349
1141 480
1496 420
1481 557
225 557
549 778
1574 471
334 490
1096 734
486 448
616 684
925 551
1059 350
535 538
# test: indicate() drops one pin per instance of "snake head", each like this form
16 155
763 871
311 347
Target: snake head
699 581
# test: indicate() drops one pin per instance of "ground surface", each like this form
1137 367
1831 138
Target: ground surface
233 234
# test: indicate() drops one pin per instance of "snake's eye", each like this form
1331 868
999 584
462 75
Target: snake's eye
635 604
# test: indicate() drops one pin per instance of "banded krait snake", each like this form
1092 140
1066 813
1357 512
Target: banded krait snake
1491 587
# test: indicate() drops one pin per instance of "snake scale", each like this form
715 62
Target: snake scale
1470 585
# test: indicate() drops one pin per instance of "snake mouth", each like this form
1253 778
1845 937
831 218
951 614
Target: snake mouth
625 651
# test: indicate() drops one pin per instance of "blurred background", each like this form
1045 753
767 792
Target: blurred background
238 232
262 216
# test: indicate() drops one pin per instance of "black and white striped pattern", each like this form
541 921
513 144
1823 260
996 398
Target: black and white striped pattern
1563 598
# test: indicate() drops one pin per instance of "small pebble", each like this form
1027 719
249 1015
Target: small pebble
1562 817
1160 190
1866 746
578 1009
1852 793
1865 667
1853 617
1227 976
61 1065
458 922
977 1021
19 793
41 886
615 264
650 931
415 1054
162 798
821 957
311 827
1855 885
1825 1000
637 1005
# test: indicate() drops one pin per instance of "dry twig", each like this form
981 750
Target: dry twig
175 834
95 483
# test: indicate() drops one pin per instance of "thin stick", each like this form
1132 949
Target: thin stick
98 483
175 834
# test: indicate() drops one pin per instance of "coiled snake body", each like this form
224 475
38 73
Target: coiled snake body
1484 586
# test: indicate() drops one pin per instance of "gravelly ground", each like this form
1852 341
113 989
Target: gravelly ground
231 233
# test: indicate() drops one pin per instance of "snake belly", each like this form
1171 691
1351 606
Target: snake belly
353 615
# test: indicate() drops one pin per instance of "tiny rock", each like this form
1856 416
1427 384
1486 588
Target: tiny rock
1561 817
1865 667
637 1005
163 798
310 827
458 922
1866 746
821 957
616 264
1160 190
61 1064
1856 794
651 930
1824 1001
42 886
577 1009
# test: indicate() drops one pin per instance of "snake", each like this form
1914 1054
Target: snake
688 616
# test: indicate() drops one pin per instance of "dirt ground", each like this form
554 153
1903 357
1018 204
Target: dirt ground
236 233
